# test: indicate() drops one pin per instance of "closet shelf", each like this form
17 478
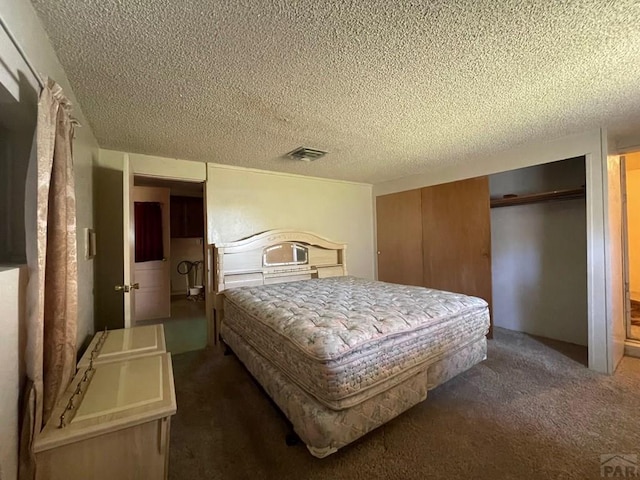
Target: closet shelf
509 200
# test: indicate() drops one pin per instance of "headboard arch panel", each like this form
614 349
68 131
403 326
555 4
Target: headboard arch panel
242 263
273 237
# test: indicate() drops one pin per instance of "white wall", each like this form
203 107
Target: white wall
243 202
85 154
12 342
185 249
539 254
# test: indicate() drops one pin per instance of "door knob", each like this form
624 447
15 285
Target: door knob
127 288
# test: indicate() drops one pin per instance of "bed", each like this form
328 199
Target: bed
339 355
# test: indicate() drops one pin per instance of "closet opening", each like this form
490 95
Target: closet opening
539 254
168 247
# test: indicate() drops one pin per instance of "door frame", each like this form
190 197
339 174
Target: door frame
128 239
625 247
166 169
614 259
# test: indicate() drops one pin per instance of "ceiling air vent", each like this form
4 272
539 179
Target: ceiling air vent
306 154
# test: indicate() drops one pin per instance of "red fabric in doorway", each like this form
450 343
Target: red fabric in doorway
148 226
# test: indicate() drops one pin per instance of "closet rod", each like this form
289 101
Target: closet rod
21 52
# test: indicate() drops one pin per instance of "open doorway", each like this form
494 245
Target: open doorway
168 248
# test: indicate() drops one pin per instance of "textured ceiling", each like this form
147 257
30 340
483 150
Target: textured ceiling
389 87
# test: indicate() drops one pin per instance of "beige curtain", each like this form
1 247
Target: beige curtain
52 292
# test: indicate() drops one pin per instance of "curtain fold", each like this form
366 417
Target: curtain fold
61 269
52 291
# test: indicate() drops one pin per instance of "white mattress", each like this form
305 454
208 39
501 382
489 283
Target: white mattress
344 340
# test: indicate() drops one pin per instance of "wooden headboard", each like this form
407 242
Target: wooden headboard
276 256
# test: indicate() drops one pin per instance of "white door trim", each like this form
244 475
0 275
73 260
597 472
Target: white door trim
167 169
128 231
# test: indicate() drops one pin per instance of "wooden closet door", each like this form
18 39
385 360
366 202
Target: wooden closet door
456 237
399 227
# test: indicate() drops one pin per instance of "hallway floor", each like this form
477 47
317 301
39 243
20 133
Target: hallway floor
186 329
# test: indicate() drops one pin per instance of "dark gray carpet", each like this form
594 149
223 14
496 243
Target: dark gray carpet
529 411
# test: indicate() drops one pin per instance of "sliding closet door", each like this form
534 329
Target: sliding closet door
456 237
399 226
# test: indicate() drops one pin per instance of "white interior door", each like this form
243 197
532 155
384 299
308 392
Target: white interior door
152 297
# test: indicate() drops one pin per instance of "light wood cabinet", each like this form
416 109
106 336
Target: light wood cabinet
124 344
113 422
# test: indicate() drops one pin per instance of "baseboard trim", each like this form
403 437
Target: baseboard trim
632 348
